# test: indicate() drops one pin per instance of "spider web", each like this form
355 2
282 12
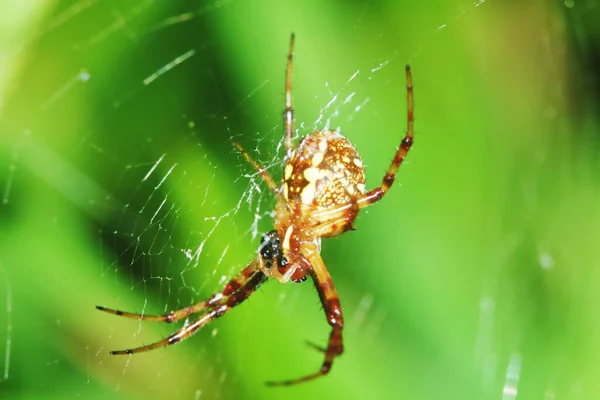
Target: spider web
121 188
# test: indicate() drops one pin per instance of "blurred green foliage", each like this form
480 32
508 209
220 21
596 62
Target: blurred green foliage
476 277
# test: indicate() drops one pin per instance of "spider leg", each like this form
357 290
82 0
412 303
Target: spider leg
237 297
258 167
333 312
377 193
231 287
288 113
316 346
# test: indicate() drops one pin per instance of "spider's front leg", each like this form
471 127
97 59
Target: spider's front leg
333 312
235 292
176 315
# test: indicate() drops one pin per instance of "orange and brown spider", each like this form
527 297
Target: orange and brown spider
323 190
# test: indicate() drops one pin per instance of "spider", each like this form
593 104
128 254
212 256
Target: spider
322 191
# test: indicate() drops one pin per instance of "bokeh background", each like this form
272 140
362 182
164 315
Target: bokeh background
476 277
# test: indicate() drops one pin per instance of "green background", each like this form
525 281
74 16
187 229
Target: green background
476 277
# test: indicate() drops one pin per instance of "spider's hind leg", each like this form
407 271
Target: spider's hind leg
376 194
258 167
288 113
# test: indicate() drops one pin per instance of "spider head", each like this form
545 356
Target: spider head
271 252
273 260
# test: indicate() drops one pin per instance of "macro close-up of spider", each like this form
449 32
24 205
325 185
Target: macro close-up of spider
321 193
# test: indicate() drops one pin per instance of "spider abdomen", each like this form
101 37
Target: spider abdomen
324 171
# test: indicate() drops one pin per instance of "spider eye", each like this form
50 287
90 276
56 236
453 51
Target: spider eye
283 261
301 279
270 249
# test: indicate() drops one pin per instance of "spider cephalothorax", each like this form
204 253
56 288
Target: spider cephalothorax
274 262
322 191
270 250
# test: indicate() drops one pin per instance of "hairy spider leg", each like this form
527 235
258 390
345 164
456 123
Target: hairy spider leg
218 298
333 312
258 167
377 193
235 291
288 113
237 297
288 123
